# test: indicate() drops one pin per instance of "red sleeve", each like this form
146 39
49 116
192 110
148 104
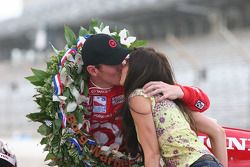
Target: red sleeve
195 99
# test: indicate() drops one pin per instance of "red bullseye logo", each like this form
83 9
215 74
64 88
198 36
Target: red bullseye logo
112 43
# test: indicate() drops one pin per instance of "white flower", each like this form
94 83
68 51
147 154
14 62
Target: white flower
79 98
82 98
79 62
117 154
105 150
59 98
65 78
70 58
105 30
82 86
78 59
71 107
124 39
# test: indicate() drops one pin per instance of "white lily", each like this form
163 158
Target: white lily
83 98
70 58
105 30
79 98
79 62
71 107
59 98
66 79
82 86
124 39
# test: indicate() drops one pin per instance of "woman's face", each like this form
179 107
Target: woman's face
124 71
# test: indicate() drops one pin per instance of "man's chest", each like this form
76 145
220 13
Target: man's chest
103 104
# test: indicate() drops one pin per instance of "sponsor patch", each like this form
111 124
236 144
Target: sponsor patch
99 104
199 104
117 99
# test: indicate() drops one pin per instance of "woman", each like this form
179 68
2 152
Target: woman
164 129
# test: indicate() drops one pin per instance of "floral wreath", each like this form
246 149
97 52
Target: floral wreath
61 90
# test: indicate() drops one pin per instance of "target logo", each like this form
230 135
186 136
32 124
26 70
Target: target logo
112 43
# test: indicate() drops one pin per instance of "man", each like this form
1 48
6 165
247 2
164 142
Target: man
102 56
7 158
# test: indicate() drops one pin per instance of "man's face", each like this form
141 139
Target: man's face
108 75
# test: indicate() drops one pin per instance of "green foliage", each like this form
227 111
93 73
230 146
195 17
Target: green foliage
83 31
38 117
44 130
69 36
93 23
138 43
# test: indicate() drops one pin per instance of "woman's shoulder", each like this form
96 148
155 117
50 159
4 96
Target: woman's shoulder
138 92
140 102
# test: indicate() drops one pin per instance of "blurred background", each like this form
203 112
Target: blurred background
207 42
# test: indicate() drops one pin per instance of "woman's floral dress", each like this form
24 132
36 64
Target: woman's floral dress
179 144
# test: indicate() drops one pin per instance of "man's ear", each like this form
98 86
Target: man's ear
92 70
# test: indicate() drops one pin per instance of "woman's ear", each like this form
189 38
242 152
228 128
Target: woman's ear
92 70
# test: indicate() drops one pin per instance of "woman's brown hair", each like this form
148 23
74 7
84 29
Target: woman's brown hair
145 65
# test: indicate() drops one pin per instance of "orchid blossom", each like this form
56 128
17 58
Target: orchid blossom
105 30
124 39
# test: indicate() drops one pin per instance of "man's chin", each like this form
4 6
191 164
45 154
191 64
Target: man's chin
117 83
121 83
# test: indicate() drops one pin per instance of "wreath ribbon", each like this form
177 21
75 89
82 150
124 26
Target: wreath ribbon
75 142
68 56
57 83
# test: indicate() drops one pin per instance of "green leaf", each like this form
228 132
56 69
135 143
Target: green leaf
55 143
78 117
56 126
69 36
44 140
38 117
52 163
54 49
40 73
93 23
86 89
44 103
83 31
33 78
85 75
44 130
66 92
101 26
50 156
138 43
85 111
